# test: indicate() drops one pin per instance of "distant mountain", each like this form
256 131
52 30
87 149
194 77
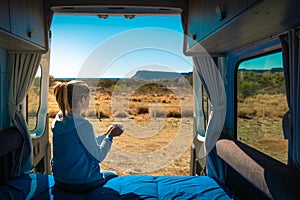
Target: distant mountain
273 70
157 75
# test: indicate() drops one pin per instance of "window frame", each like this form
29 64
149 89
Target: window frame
42 114
39 96
236 69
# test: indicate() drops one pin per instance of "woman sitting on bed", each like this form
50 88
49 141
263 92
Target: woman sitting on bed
76 151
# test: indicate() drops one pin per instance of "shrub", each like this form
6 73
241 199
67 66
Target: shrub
142 110
246 113
159 113
102 114
136 100
248 88
187 113
164 101
175 114
121 114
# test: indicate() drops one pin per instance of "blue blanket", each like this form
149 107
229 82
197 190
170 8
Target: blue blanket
40 186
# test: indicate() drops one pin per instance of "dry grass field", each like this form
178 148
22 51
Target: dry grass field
260 124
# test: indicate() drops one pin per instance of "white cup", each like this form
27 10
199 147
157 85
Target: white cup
120 125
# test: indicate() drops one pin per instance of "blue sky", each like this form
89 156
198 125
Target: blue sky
78 41
263 63
117 47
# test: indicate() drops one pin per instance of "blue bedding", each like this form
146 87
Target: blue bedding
40 186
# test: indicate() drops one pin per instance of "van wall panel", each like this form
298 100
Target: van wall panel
3 90
4 15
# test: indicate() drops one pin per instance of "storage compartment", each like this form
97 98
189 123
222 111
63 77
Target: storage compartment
27 20
23 25
224 26
206 16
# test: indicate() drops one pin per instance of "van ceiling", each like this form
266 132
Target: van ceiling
119 7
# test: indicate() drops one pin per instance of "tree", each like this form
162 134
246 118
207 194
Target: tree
51 80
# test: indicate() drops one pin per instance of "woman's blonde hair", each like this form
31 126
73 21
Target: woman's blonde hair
68 94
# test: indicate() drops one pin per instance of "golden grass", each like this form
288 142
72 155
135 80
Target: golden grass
262 105
260 124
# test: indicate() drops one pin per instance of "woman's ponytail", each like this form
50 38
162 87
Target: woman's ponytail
69 94
60 92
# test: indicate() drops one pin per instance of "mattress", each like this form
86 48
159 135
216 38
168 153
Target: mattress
40 186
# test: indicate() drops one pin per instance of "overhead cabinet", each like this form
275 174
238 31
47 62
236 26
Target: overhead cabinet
22 25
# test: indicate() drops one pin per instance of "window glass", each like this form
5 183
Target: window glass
261 104
34 100
205 102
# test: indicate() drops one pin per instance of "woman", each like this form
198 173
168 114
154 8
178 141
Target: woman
76 151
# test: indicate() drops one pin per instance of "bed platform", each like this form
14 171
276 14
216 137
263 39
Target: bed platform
40 186
249 175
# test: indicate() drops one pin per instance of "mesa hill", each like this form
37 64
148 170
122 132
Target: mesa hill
157 75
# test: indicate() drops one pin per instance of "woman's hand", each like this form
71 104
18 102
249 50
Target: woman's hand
115 130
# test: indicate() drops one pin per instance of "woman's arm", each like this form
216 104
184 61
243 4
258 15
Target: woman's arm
113 131
99 146
99 138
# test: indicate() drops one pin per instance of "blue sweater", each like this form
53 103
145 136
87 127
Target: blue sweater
76 151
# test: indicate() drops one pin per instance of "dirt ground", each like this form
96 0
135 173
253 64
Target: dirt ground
264 134
158 146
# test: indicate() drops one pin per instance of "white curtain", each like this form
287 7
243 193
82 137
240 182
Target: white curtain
199 122
291 64
23 68
214 86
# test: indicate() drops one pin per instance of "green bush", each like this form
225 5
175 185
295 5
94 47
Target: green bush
248 88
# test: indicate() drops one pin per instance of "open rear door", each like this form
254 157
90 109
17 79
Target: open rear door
37 117
198 162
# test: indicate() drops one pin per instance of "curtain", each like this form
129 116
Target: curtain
23 67
214 86
199 123
290 122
